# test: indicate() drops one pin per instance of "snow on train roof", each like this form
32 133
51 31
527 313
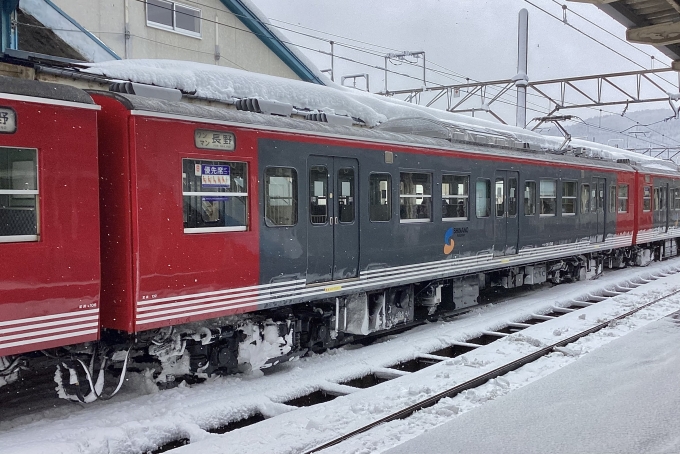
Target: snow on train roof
230 84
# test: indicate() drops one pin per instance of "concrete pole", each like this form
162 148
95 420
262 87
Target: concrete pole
128 51
332 63
521 79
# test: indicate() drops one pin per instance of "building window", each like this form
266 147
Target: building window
215 195
569 197
415 197
647 198
548 195
380 197
483 198
585 198
455 197
623 198
18 195
173 16
280 196
529 198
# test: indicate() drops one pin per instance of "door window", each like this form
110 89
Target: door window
318 190
346 195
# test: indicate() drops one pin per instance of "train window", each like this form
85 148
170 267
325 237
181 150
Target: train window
647 198
215 195
380 197
657 199
662 198
623 198
455 197
612 198
280 196
173 16
415 197
529 198
585 198
676 199
483 198
500 197
548 196
346 195
569 197
18 195
512 196
318 195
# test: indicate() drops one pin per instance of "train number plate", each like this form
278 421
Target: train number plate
8 120
214 140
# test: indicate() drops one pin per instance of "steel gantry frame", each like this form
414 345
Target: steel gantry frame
573 94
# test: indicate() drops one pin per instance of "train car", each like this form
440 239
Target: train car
233 239
49 213
657 213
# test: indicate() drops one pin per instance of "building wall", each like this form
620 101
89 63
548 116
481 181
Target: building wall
239 47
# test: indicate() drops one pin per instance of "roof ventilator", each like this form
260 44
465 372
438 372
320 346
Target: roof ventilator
146 91
331 119
265 107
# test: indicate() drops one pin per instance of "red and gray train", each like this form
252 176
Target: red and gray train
208 240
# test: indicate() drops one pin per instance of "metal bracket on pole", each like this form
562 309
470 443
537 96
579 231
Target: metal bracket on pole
556 120
354 78
674 101
401 56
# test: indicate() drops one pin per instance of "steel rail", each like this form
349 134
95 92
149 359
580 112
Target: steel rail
478 381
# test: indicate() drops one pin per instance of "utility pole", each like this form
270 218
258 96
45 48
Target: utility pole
521 79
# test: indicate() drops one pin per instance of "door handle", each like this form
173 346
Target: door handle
336 219
331 220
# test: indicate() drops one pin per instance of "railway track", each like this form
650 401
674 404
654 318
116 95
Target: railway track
433 365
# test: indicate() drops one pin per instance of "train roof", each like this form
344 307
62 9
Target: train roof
344 105
197 112
35 89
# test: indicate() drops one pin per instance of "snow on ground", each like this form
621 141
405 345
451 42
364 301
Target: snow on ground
140 420
620 398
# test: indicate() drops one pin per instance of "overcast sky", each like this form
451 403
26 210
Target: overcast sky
466 38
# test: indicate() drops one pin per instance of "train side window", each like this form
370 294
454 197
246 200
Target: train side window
662 198
500 197
548 196
569 198
380 197
612 198
623 198
455 197
215 195
529 198
647 198
657 199
512 197
18 195
280 196
483 198
415 197
318 195
585 198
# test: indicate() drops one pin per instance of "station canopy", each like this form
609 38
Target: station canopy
653 22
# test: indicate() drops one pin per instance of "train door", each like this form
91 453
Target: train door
661 207
506 223
598 206
333 233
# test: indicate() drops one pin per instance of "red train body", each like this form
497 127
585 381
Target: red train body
107 174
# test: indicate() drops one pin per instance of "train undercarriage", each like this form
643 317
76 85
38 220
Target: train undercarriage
193 352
